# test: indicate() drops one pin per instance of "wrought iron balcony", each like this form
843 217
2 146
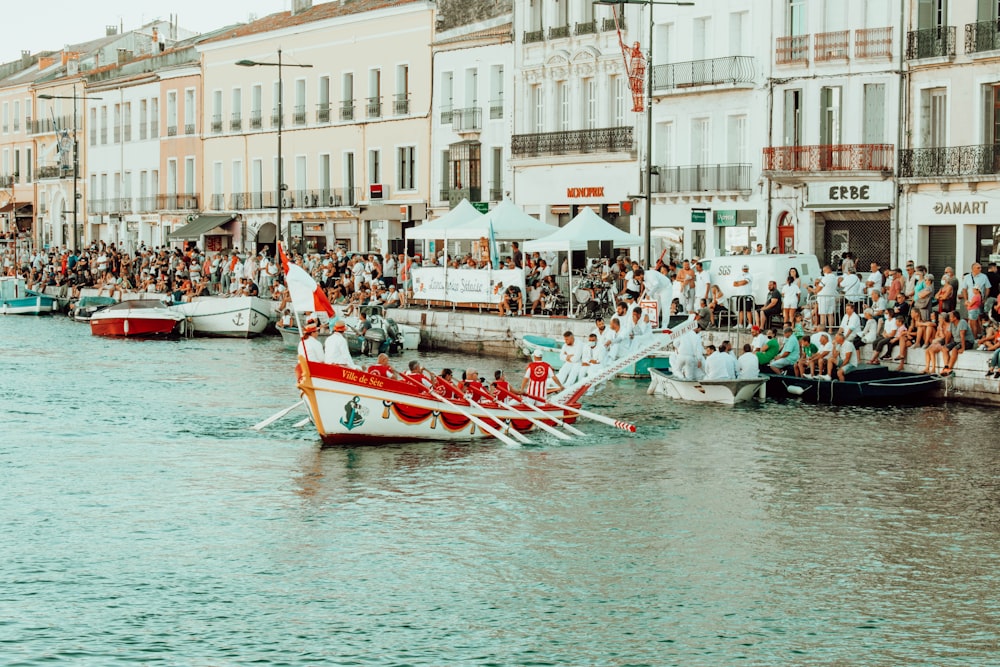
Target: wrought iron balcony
171 132
401 104
703 178
531 36
456 195
931 43
218 202
791 49
873 43
96 206
217 124
256 120
277 118
177 202
7 182
982 36
236 122
950 161
830 157
52 171
323 112
496 109
299 115
188 128
586 27
447 113
731 69
467 120
145 204
600 140
558 32
373 108
347 110
832 45
608 24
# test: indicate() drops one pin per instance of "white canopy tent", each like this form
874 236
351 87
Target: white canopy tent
587 226
509 222
441 228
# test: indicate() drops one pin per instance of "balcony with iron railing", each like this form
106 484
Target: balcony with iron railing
586 27
188 128
791 50
323 112
950 161
533 36
599 140
177 202
299 115
873 43
7 182
702 178
982 36
558 32
456 195
496 194
53 170
236 122
256 119
401 104
931 43
321 198
217 202
829 157
447 113
467 120
829 46
96 206
713 71
146 204
217 124
373 107
49 125
171 132
277 118
347 110
608 24
496 109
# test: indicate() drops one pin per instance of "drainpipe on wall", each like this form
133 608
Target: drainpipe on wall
902 130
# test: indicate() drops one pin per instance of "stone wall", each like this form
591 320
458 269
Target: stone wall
455 13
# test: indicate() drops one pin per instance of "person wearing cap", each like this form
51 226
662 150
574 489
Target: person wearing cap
392 298
743 291
537 377
309 347
758 340
336 349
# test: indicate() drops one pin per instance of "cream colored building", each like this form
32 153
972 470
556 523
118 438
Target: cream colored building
355 124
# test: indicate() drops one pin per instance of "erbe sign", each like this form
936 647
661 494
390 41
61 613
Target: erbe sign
851 195
584 193
464 285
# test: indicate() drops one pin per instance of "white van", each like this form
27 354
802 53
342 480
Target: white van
724 271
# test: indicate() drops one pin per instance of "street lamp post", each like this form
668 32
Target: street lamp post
76 162
648 178
281 118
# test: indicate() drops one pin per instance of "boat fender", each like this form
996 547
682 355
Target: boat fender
182 327
126 326
795 390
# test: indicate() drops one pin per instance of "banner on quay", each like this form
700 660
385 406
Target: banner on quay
464 285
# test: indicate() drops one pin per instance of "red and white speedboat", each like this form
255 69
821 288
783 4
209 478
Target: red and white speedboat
137 318
354 407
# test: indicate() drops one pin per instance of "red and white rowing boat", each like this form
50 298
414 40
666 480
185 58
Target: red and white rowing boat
355 407
137 318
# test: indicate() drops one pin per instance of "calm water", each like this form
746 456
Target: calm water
142 522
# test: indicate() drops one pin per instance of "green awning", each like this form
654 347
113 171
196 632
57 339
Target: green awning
203 224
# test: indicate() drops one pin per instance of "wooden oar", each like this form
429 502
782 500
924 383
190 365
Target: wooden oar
300 424
275 417
617 423
568 427
517 434
520 415
475 420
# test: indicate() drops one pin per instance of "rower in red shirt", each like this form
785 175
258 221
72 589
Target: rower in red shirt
382 368
537 377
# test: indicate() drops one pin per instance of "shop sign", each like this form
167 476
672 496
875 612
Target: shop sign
725 218
960 208
585 193
481 206
850 195
699 214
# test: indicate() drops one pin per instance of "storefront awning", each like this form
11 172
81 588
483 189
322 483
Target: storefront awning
19 208
203 224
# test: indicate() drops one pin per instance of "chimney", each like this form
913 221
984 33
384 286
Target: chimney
25 58
110 30
299 6
156 39
44 62
125 55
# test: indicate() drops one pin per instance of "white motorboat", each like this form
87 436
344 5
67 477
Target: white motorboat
727 392
234 317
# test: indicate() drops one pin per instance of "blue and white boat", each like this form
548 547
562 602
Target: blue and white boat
17 299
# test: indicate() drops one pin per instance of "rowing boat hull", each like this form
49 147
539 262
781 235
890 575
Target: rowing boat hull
351 407
726 392
229 317
869 385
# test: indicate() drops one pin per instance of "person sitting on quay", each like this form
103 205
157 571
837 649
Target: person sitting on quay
961 340
844 359
807 351
991 343
788 355
770 350
512 301
893 332
772 306
758 340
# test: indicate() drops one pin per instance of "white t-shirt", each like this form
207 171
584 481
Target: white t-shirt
828 284
747 366
743 290
790 295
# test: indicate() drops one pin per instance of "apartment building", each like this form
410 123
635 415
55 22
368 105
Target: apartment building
575 142
950 167
354 117
17 157
830 157
710 125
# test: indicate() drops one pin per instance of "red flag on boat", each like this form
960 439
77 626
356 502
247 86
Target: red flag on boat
306 295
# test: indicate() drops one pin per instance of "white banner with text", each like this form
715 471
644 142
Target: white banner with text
464 285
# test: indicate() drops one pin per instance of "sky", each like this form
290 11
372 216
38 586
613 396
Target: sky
40 25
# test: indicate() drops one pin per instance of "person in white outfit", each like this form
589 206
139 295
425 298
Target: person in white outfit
747 366
719 365
309 347
686 363
618 342
336 350
592 356
570 356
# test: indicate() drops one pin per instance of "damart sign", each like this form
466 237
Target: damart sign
431 283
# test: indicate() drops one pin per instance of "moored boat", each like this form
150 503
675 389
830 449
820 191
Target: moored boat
136 319
85 307
727 392
354 407
865 385
17 299
234 317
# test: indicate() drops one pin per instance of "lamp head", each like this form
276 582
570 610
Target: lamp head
247 63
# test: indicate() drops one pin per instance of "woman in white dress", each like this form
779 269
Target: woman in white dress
790 292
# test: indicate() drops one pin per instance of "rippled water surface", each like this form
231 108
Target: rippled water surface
142 522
